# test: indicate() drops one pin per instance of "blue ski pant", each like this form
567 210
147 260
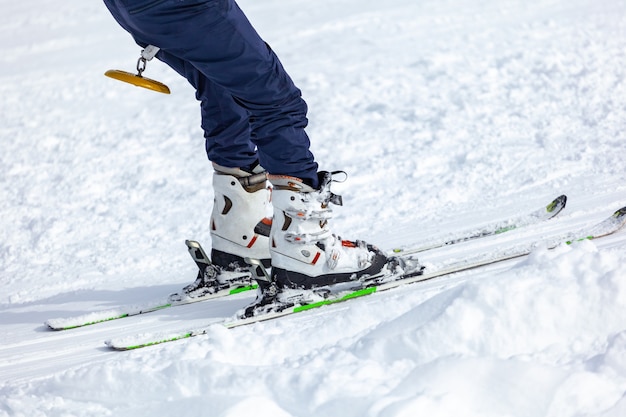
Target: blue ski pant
251 110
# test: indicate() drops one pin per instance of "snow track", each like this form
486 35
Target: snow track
25 355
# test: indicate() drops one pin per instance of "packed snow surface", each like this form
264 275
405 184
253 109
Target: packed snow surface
446 114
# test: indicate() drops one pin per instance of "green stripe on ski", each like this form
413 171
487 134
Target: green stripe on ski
104 320
158 342
355 294
505 229
121 316
554 204
243 289
569 242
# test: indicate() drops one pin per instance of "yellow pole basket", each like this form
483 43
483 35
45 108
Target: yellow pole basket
138 79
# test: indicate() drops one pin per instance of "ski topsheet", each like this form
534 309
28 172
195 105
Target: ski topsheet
610 225
495 228
536 216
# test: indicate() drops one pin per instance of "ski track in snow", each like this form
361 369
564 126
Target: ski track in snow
445 114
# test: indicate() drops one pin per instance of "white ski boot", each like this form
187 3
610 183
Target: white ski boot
308 260
239 229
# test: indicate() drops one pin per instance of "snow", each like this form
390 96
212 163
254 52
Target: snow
446 115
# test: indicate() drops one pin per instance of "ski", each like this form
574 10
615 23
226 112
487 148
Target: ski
202 261
88 319
103 316
496 228
607 227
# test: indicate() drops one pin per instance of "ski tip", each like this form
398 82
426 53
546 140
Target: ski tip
113 345
50 325
62 324
557 204
621 213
